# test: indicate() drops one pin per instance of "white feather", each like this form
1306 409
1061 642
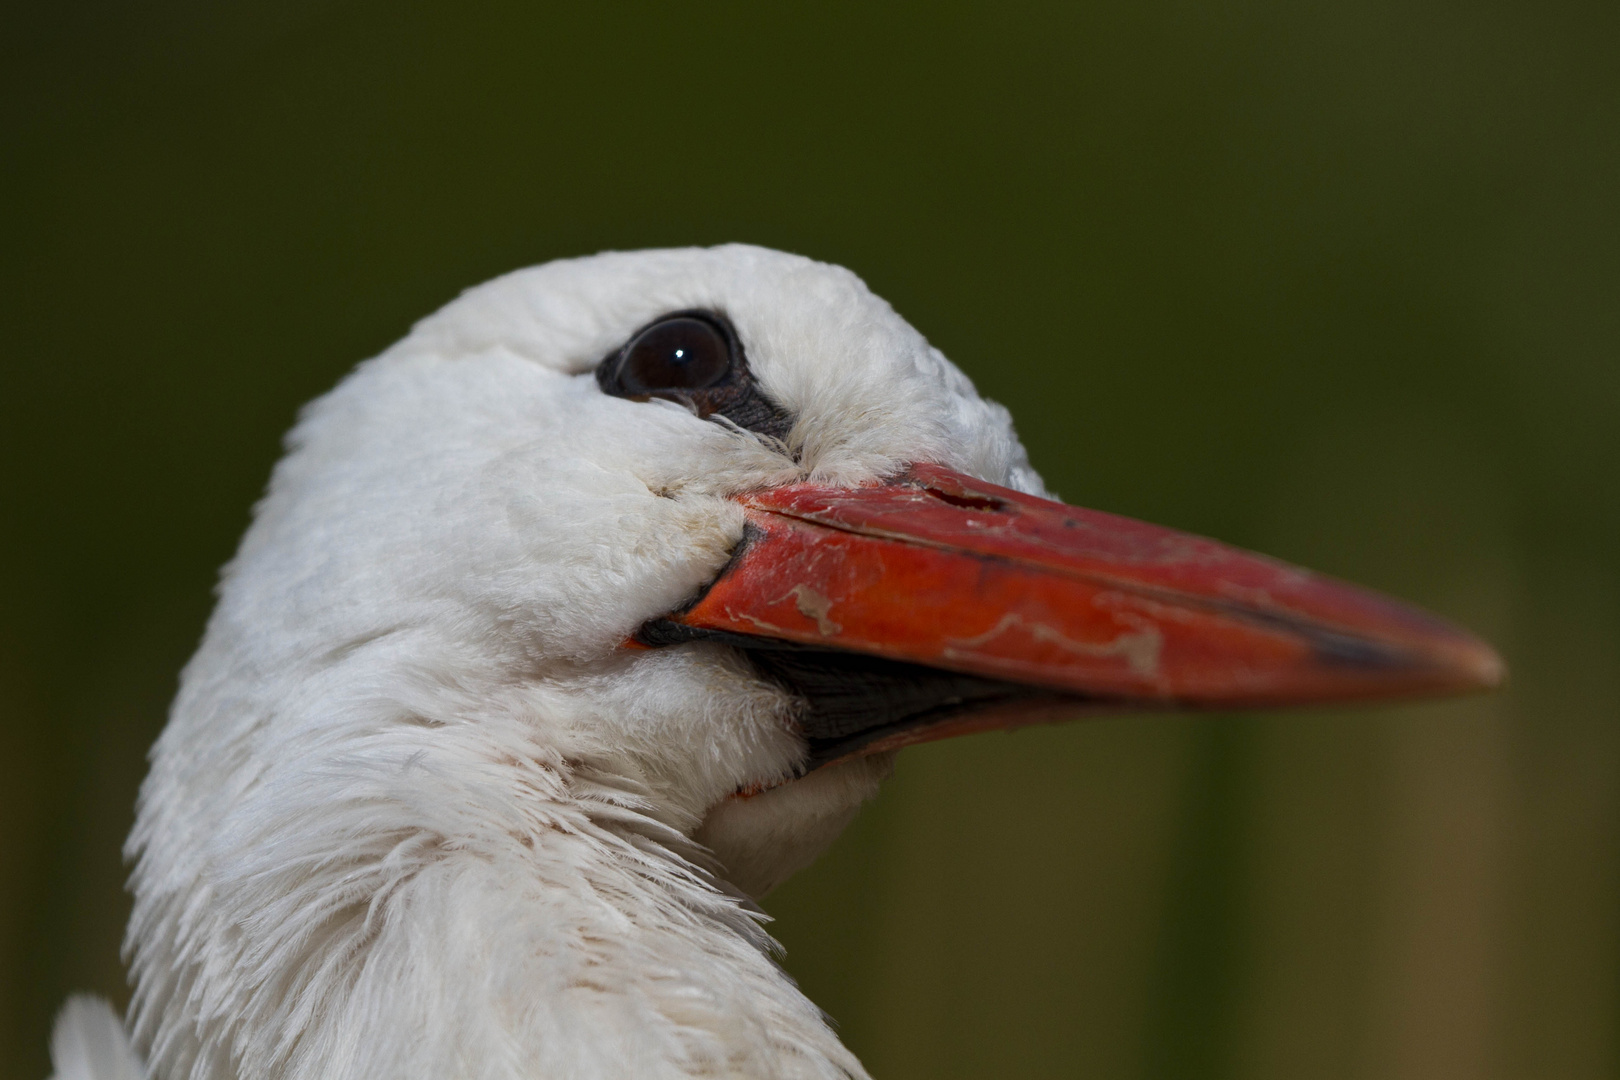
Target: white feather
88 1043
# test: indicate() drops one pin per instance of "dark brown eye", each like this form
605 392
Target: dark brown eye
694 358
681 353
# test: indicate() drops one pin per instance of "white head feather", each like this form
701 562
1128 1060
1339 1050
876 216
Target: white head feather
416 813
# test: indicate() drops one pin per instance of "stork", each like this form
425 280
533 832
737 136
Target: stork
585 615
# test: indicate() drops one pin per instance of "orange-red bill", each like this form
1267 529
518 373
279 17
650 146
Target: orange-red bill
942 570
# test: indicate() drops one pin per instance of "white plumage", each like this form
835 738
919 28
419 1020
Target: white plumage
416 814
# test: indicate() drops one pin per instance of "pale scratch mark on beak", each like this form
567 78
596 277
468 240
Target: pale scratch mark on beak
1139 647
812 605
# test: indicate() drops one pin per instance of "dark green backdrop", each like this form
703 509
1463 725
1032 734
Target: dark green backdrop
1336 280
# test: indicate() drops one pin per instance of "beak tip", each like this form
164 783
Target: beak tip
1468 665
1482 666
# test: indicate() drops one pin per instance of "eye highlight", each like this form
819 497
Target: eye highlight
683 352
695 358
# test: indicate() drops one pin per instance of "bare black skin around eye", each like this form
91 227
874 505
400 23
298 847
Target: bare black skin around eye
693 357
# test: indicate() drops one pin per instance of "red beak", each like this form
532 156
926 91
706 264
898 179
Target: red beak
941 570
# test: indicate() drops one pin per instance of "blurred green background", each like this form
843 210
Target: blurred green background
1338 281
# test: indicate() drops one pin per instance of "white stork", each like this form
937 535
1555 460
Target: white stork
595 608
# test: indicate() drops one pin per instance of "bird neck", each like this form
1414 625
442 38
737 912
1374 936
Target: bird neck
352 913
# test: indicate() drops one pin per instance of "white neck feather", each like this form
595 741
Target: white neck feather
579 937
434 887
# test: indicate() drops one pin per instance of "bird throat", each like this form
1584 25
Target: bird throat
854 703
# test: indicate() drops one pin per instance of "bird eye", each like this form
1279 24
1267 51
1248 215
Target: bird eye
685 352
697 359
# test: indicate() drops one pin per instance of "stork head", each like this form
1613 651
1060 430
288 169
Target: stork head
685 542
